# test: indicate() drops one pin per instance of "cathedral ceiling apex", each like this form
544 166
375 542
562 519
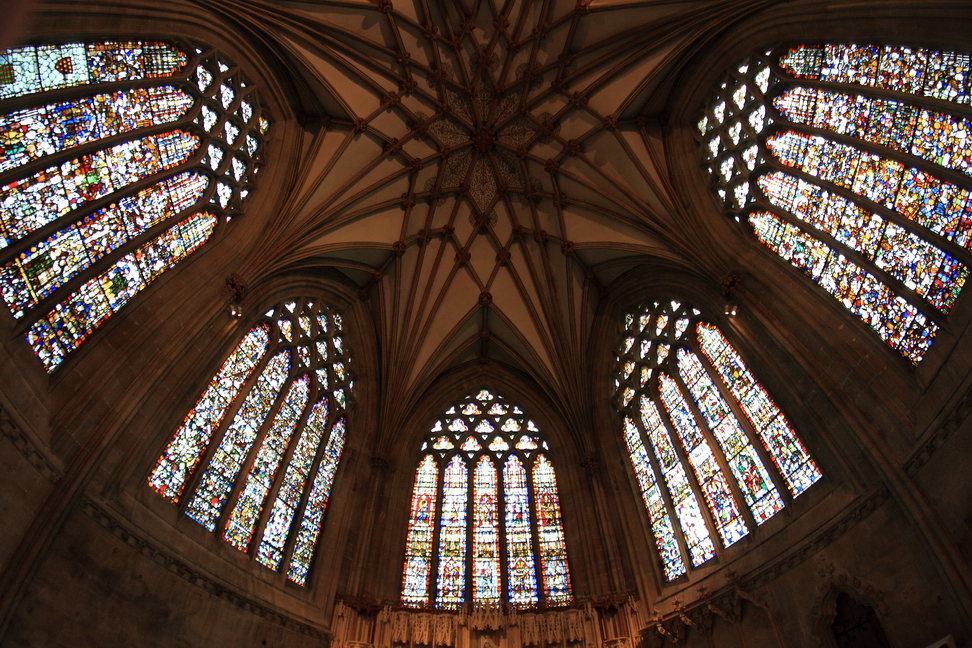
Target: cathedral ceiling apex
482 148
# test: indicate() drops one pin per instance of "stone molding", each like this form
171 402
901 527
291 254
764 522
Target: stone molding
938 438
696 612
26 446
178 567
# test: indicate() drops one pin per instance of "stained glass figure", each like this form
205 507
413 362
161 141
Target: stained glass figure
550 530
489 528
682 425
32 69
274 408
49 233
270 551
852 185
522 571
190 440
451 583
249 504
486 554
418 552
320 493
661 523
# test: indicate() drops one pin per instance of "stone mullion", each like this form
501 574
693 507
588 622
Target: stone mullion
896 285
271 496
696 486
468 587
186 122
505 580
540 574
776 477
875 92
58 95
245 467
714 446
47 304
665 490
953 177
192 481
433 590
291 536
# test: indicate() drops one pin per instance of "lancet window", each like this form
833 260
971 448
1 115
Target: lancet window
270 428
485 525
852 163
712 453
117 161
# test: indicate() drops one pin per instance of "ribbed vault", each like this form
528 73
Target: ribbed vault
481 169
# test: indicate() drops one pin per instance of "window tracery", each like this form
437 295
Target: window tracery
126 169
497 536
852 163
275 459
713 455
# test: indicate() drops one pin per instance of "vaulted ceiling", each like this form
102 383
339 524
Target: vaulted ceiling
482 169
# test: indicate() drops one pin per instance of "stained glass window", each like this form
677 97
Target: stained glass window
497 515
85 227
713 455
842 167
286 436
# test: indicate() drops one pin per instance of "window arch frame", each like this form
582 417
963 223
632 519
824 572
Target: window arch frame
793 506
182 80
767 162
335 414
527 461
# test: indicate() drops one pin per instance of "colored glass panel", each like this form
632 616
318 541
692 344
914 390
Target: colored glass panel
687 508
522 571
317 500
451 582
70 322
896 321
270 551
486 567
240 526
214 488
50 264
744 462
712 481
661 523
35 201
930 135
550 531
926 269
418 547
26 70
781 442
191 439
27 135
943 75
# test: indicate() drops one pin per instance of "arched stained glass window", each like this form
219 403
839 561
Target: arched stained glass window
853 163
117 161
712 453
485 524
270 465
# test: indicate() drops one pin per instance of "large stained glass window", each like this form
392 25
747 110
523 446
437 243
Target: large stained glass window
485 526
713 455
853 164
104 188
270 428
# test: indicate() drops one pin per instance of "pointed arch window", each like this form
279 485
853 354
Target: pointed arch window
270 428
117 161
853 163
485 525
712 453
